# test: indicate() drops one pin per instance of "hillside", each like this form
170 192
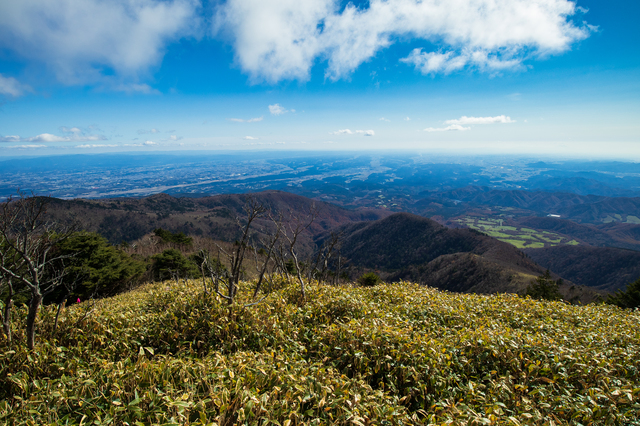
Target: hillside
586 234
410 247
398 354
579 208
403 246
604 268
128 219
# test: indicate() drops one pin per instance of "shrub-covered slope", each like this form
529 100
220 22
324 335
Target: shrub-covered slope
604 268
391 354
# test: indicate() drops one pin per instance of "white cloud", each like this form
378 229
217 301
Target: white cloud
25 146
453 127
97 146
10 138
48 137
130 87
385 119
281 39
277 109
407 119
149 143
250 138
250 120
75 136
175 137
112 43
353 132
74 130
144 131
446 63
9 86
481 120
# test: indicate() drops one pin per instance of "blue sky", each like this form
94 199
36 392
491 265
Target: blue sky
541 77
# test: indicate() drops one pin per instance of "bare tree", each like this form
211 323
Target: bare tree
323 260
269 253
253 209
28 256
291 233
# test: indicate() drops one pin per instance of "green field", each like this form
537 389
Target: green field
394 354
519 237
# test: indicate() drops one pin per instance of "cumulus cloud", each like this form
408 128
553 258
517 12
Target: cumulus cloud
385 119
72 135
250 138
10 138
281 39
9 86
277 109
446 63
175 137
453 127
93 41
149 143
353 132
481 120
458 124
48 137
250 120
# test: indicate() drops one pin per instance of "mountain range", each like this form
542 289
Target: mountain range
399 246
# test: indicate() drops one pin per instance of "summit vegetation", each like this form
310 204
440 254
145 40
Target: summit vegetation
395 354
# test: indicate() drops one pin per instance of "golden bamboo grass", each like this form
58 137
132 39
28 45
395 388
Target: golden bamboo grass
391 354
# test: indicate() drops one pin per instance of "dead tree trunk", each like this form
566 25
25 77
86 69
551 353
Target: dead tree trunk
6 312
34 306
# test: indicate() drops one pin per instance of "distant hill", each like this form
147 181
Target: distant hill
621 235
604 268
624 233
409 247
128 219
579 208
581 185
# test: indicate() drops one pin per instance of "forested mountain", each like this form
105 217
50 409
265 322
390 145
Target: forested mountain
409 247
580 208
127 219
604 268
